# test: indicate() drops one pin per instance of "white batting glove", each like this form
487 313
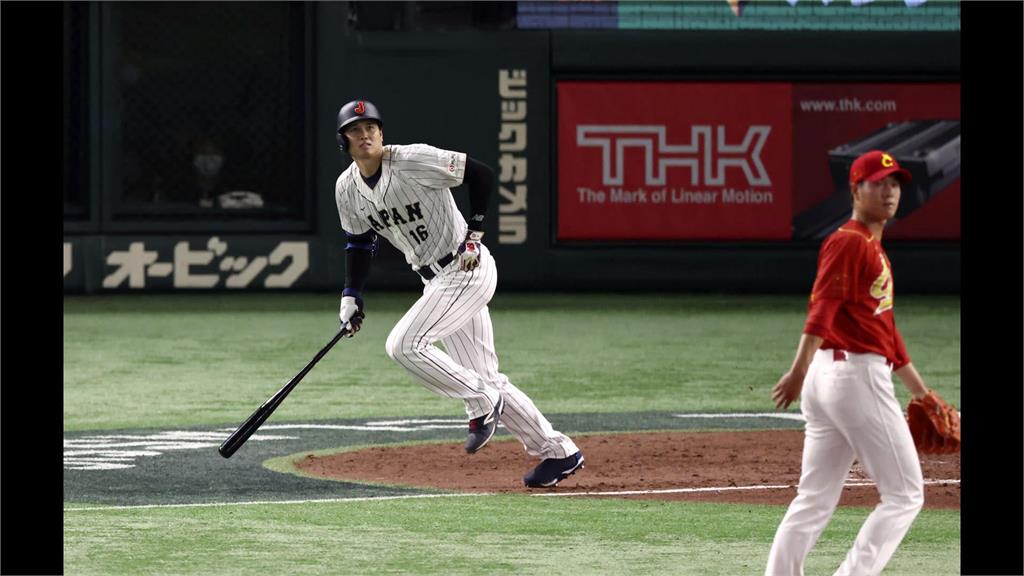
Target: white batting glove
469 251
351 314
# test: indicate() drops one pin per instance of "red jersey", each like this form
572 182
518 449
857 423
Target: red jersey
852 299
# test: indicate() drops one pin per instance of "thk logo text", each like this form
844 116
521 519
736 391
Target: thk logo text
707 156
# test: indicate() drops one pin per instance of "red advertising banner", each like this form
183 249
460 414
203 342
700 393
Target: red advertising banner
674 161
919 124
749 161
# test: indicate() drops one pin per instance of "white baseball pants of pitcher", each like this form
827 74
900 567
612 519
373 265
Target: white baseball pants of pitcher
851 412
453 310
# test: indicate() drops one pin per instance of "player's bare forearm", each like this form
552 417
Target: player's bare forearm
809 344
787 389
912 380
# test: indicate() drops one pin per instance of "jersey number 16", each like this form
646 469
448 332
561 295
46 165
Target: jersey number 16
419 234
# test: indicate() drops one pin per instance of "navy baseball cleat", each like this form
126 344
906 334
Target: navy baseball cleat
481 429
553 470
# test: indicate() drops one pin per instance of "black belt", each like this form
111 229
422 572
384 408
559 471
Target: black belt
429 274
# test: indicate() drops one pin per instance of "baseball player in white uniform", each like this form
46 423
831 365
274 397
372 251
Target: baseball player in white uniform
404 194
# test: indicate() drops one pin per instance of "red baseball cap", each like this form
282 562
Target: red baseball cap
875 165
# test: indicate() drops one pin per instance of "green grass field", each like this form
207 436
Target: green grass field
172 361
474 535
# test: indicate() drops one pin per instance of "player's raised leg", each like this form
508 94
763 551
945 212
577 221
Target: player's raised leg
449 301
473 346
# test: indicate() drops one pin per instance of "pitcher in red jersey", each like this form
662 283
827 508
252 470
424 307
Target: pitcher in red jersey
843 375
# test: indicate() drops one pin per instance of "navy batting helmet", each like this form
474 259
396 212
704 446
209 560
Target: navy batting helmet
355 111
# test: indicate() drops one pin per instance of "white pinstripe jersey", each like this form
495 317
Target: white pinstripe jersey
411 205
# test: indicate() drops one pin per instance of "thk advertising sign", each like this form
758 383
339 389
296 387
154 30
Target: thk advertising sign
691 161
674 161
918 124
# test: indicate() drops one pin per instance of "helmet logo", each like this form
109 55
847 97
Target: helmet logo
360 108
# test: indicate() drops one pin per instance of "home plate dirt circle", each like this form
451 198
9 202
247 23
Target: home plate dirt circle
760 467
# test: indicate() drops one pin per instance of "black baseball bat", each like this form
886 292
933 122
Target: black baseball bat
243 432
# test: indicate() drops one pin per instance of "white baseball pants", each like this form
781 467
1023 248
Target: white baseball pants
851 412
453 310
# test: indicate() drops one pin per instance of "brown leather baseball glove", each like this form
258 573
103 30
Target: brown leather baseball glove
934 425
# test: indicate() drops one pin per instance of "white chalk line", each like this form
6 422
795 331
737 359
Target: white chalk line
777 415
719 489
278 502
477 494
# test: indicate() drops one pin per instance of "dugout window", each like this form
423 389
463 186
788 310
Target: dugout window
205 116
75 112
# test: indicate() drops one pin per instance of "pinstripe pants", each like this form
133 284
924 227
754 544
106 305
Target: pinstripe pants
453 310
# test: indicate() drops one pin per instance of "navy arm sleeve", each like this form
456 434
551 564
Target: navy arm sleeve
480 180
359 255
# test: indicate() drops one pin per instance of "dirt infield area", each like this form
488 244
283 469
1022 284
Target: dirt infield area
745 467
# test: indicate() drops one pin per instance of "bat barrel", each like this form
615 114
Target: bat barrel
257 418
243 432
